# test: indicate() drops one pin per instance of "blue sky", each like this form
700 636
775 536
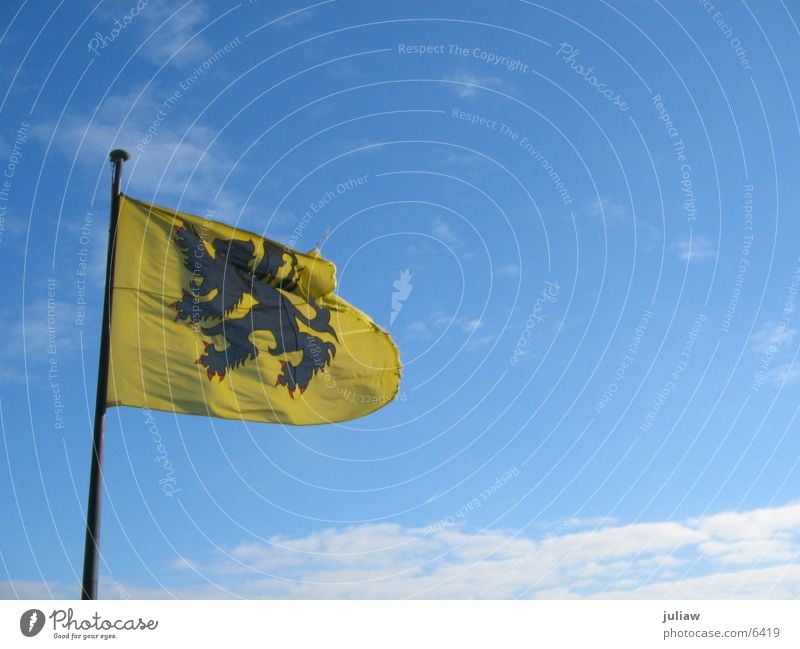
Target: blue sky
595 206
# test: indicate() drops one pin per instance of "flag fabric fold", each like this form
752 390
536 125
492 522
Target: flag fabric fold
211 320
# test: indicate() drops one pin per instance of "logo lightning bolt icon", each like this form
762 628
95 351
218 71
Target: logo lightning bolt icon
31 622
402 290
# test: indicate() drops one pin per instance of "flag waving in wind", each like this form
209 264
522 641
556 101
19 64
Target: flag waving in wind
212 320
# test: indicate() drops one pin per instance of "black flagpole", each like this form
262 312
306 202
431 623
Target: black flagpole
91 552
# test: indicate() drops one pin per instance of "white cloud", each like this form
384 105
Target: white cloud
613 213
442 230
450 157
294 18
695 248
747 552
178 38
507 270
169 30
750 554
29 589
785 373
771 343
771 337
481 341
754 524
467 325
49 325
776 582
469 85
48 332
424 329
175 160
418 329
608 210
182 563
470 326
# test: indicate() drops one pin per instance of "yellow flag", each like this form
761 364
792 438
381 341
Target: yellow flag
211 320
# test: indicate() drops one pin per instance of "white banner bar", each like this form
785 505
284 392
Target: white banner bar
400 624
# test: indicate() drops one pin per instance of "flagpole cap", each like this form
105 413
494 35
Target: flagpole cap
118 155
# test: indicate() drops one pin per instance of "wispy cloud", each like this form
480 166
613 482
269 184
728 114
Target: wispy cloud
29 589
44 330
459 158
507 270
614 213
48 324
785 373
294 18
770 338
438 321
772 343
608 209
175 159
442 230
469 85
695 248
178 38
418 329
467 325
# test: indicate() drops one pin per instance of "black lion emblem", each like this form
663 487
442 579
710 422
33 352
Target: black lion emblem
218 285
